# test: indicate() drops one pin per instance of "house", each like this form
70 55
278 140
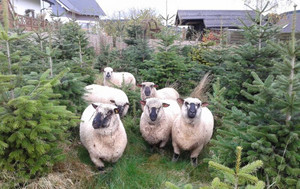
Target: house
285 23
83 11
213 19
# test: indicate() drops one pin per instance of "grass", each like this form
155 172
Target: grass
139 168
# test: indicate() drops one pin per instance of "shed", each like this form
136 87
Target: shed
213 19
285 23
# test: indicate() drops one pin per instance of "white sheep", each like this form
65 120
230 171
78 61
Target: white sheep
148 90
102 133
103 94
112 78
192 129
157 120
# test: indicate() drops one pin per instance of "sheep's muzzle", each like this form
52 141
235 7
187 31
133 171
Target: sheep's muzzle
100 121
153 114
147 91
192 111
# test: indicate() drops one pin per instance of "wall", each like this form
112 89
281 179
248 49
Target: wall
21 5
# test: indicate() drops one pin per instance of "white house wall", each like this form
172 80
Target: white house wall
21 5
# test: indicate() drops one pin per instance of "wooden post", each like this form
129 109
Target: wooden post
31 20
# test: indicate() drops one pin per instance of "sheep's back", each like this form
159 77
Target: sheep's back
103 94
167 93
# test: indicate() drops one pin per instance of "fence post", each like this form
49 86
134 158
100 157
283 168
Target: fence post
31 20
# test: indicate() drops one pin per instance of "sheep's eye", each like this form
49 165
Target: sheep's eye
151 86
198 105
186 103
143 86
158 109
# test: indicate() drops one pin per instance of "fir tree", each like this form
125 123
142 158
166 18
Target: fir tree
167 66
233 179
268 126
32 125
233 65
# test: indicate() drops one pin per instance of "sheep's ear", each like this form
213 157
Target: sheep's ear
155 86
139 85
95 106
116 110
180 100
143 102
204 104
112 101
165 105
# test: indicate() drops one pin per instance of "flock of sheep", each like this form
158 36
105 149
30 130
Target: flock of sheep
188 122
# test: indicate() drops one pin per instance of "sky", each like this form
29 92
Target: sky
111 7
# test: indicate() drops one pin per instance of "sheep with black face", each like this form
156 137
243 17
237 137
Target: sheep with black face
107 95
192 129
102 133
157 120
112 78
148 90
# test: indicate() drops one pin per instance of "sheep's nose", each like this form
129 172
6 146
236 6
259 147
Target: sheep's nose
192 111
147 91
108 75
153 114
97 122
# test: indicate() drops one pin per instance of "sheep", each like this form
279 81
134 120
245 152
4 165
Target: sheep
157 120
112 78
102 133
108 95
148 90
192 129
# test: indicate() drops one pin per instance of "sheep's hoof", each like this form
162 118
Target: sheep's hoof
194 161
175 157
100 169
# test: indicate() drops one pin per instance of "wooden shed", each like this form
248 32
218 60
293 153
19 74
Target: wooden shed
213 19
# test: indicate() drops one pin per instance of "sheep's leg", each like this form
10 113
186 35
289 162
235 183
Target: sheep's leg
194 155
163 143
97 161
176 152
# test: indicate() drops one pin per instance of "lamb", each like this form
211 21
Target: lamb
108 95
118 78
148 90
102 133
157 120
192 129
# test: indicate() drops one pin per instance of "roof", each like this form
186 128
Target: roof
286 21
82 7
215 18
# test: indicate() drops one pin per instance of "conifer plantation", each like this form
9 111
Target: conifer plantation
253 91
